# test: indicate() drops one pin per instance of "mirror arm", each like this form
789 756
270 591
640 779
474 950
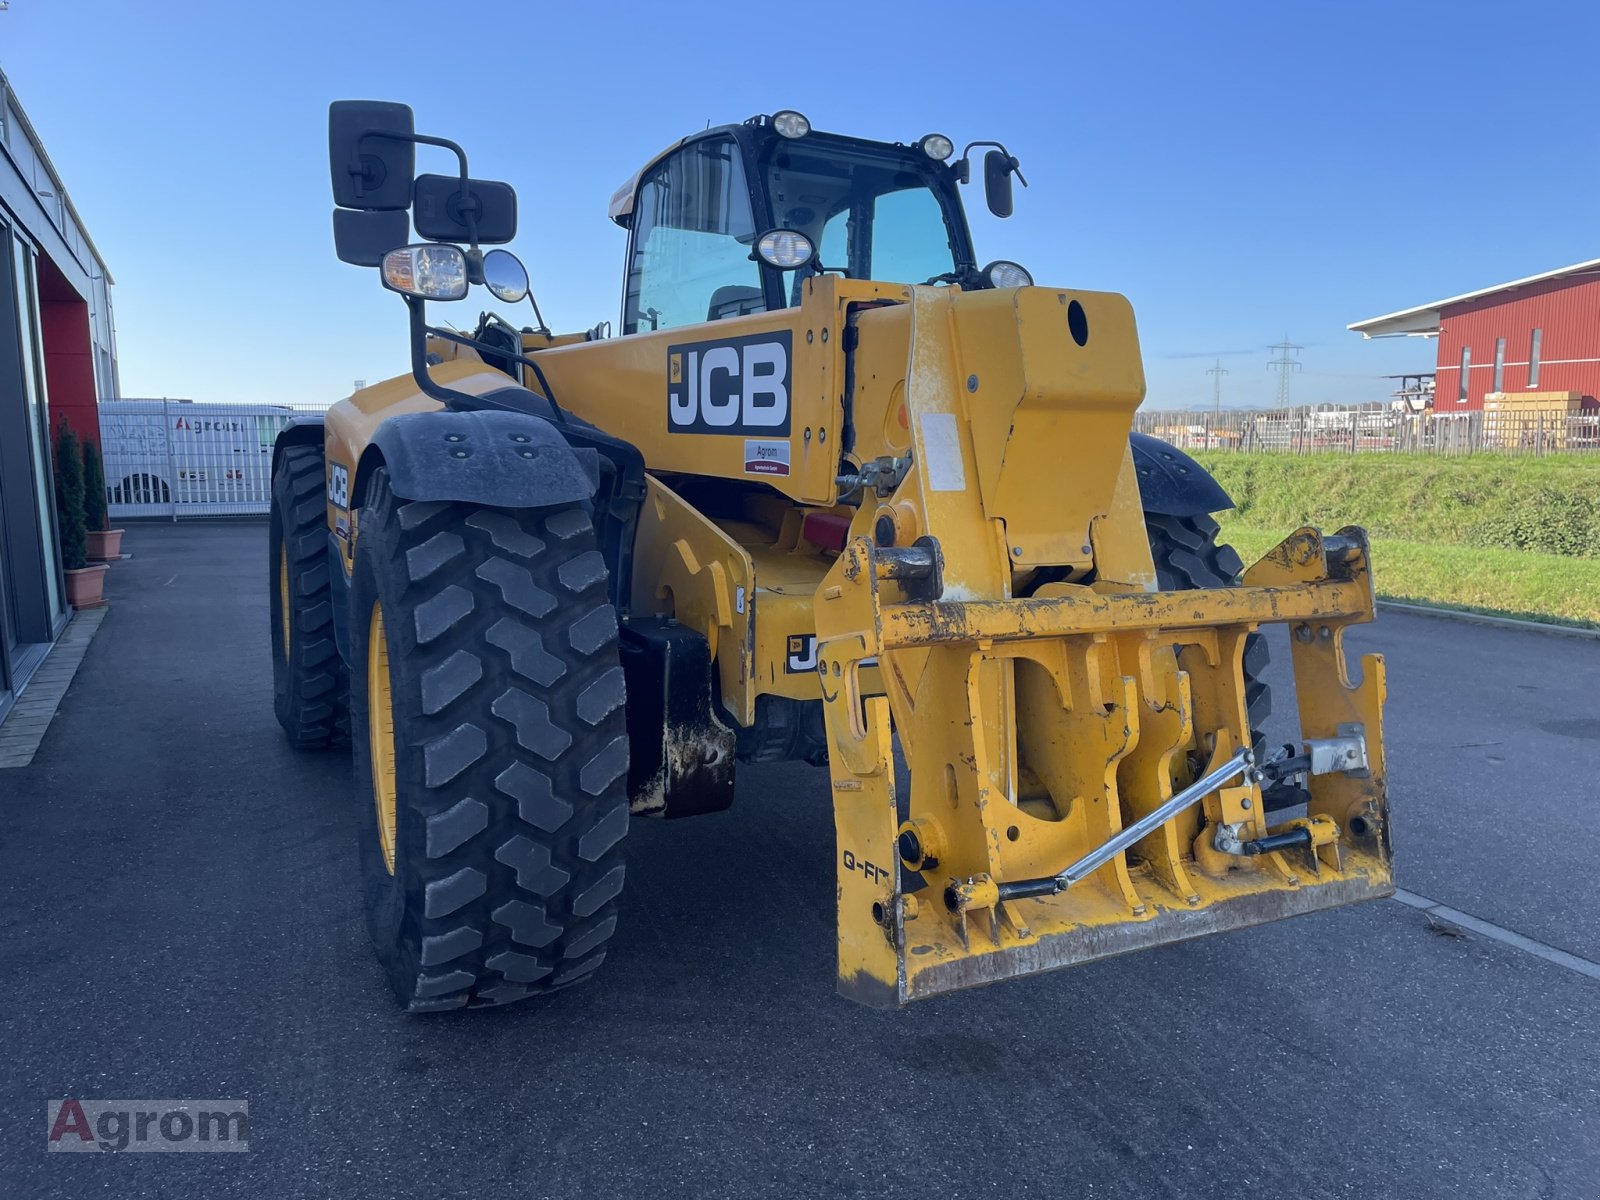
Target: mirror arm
964 167
420 329
538 316
468 217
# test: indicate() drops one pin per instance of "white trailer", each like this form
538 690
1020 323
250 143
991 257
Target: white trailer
183 458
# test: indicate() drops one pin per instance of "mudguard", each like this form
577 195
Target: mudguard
303 429
493 457
1171 483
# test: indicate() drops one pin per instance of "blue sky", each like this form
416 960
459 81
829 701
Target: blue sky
1241 171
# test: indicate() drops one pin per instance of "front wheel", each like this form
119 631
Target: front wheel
491 748
309 685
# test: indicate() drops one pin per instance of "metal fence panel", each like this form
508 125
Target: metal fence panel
1376 429
180 458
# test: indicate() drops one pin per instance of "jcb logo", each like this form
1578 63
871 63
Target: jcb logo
802 653
732 385
338 485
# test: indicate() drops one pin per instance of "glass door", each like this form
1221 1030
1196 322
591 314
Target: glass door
37 401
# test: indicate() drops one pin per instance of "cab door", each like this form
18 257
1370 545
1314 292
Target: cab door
690 252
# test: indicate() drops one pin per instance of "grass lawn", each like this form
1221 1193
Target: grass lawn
1513 583
1546 505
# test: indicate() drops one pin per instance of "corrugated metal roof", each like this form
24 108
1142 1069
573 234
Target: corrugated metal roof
1423 321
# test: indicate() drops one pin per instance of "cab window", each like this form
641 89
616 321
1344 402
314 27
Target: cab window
693 233
873 212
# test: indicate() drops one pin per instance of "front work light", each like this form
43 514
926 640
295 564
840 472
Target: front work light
785 249
936 146
790 124
1003 274
434 272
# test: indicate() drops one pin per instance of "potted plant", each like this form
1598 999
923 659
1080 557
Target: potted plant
105 543
85 583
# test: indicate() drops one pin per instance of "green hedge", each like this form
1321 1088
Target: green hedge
1550 505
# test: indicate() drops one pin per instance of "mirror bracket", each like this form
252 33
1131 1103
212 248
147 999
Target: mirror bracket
998 167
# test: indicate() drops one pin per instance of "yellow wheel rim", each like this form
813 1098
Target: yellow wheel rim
380 733
283 597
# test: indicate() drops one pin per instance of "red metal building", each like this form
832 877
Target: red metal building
1535 335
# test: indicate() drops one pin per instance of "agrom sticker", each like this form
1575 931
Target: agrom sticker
766 458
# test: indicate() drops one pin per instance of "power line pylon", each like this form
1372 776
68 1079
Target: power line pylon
1285 364
1216 373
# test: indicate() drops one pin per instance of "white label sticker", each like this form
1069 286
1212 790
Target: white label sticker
941 444
766 458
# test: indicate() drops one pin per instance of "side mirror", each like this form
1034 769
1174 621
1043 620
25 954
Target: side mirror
363 238
371 156
997 168
505 276
440 209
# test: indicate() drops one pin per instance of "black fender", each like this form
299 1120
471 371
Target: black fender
485 456
303 429
1171 483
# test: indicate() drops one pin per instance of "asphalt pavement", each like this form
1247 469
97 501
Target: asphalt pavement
180 917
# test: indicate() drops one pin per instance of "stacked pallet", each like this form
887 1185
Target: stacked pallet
1543 419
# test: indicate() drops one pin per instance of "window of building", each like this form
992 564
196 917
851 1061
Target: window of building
1466 367
692 236
1534 344
1499 364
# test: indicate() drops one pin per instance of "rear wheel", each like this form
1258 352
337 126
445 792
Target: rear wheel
1188 554
309 684
491 748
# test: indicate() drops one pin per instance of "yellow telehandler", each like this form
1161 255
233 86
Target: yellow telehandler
832 492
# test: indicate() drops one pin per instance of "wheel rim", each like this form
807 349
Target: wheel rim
283 598
380 733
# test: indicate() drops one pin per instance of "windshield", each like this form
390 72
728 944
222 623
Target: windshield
872 213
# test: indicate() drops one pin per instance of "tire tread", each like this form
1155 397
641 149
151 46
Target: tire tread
515 716
310 689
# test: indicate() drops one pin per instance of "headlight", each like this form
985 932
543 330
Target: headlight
1003 274
433 272
785 249
790 124
937 147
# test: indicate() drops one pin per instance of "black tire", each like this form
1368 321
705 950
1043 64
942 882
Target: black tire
310 687
1188 555
510 748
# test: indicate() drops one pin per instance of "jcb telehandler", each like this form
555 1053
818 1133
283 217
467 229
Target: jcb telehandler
832 486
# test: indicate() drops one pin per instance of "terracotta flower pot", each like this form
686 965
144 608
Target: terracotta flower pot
105 545
86 587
